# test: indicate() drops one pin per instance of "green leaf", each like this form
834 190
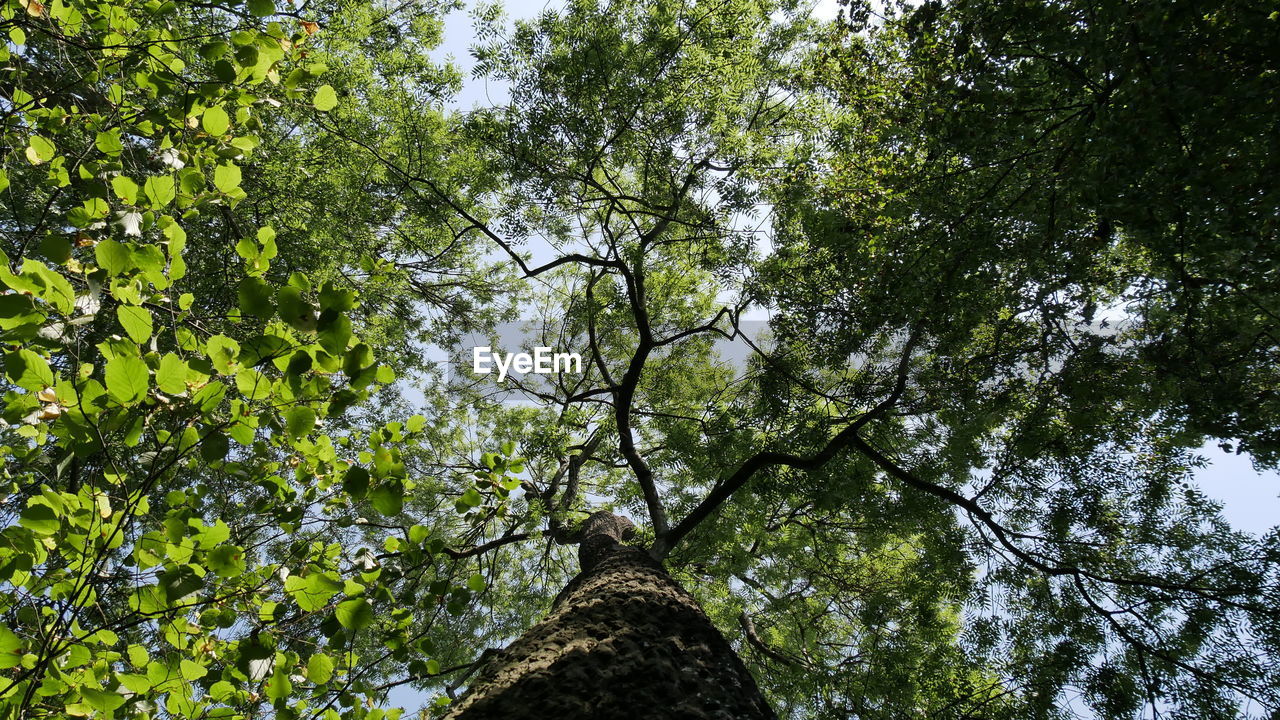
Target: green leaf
159 190
191 670
471 498
312 592
356 482
178 583
101 700
299 421
333 332
294 309
319 668
40 150
215 447
261 8
325 99
11 651
267 237
213 535
50 286
28 370
357 359
388 498
260 349
355 614
210 396
223 353
112 256
334 298
40 519
136 321
127 190
138 656
226 177
476 583
134 683
109 142
226 560
278 685
252 384
213 50
215 121
127 379
256 297
171 376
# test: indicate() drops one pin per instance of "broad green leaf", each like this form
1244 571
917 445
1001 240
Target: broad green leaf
101 700
226 177
252 384
126 189
319 668
134 682
11 651
191 670
171 376
355 614
40 150
226 560
109 142
356 482
215 447
50 286
471 498
223 352
138 656
256 298
294 309
388 498
28 370
325 98
215 121
299 421
40 519
334 298
136 321
112 256
278 686
210 396
127 379
262 8
159 190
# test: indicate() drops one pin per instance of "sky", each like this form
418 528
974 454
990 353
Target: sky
1251 500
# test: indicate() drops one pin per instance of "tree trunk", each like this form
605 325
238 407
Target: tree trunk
622 639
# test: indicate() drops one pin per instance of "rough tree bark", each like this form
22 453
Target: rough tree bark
622 638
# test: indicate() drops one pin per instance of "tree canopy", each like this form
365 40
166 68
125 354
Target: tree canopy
993 273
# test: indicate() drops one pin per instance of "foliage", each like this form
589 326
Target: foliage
177 463
1015 260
